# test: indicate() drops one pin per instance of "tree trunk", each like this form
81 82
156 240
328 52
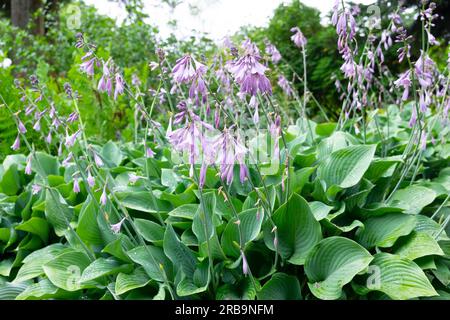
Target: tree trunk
22 12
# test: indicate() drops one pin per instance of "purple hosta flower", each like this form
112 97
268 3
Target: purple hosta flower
413 119
275 132
38 99
116 227
88 66
149 153
80 40
70 139
231 151
16 144
98 160
48 138
217 117
284 84
35 189
424 101
76 185
424 69
153 65
423 140
298 38
223 78
72 117
52 111
135 81
249 73
90 179
21 126
133 178
386 39
275 55
29 110
68 159
404 81
103 197
227 43
431 39
198 86
37 125
28 166
105 83
120 86
184 70
254 104
349 68
245 267
56 123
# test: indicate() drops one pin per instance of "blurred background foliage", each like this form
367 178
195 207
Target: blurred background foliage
45 46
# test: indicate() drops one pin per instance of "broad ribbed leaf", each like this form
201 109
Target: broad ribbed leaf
111 154
319 209
281 287
144 201
398 277
45 164
181 256
57 211
154 261
104 267
332 264
249 224
88 229
32 264
383 231
345 167
417 245
412 199
149 230
186 211
9 291
126 282
298 230
37 226
202 225
65 270
42 290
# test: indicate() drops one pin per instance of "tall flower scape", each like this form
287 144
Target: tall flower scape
235 183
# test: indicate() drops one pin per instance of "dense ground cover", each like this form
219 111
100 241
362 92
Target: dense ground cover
225 188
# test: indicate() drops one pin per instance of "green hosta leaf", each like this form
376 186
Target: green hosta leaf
126 282
181 256
398 277
65 270
381 168
345 167
5 267
203 225
144 201
42 290
150 230
383 231
32 264
281 287
57 211
111 154
88 229
186 211
417 245
430 227
319 209
37 226
298 230
332 264
9 291
45 164
198 283
442 271
103 267
249 224
10 181
412 199
154 261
